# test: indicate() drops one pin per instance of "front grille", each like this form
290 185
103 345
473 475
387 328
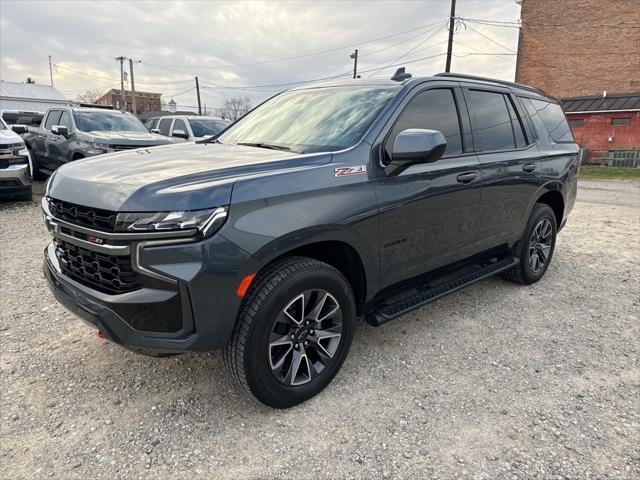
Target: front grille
110 274
83 216
124 147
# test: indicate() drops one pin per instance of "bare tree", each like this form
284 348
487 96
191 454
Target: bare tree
90 96
234 108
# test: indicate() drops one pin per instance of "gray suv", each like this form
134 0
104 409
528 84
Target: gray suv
71 133
326 202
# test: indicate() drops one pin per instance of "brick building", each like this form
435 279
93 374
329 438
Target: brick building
574 48
145 101
609 127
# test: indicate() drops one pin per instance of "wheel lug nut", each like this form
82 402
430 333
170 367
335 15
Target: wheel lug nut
306 343
307 322
292 337
311 332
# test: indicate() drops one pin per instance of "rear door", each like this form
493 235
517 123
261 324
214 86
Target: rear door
429 212
164 125
509 160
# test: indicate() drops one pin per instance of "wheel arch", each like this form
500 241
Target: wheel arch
339 254
555 200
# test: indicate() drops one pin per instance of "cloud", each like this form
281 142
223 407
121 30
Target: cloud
231 46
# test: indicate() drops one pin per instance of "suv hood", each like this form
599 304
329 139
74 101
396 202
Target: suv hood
187 176
129 138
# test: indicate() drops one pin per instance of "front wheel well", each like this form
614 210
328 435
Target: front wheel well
342 257
556 202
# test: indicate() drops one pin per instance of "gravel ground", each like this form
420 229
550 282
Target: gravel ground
496 381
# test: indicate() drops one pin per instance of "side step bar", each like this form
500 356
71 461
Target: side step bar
386 312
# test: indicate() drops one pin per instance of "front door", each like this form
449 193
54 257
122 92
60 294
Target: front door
429 212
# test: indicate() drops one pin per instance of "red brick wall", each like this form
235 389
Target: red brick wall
597 129
573 48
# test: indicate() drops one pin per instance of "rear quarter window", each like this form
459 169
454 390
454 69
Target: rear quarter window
553 119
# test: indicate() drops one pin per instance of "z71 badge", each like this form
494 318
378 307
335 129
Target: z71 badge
347 171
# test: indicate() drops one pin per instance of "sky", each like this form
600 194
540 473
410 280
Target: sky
245 48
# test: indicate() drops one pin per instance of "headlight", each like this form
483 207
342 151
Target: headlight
102 146
207 221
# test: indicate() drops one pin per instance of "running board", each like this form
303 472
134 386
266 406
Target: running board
384 312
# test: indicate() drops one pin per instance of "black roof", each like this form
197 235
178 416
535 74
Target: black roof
597 103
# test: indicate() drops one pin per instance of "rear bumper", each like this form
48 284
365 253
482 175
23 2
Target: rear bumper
202 296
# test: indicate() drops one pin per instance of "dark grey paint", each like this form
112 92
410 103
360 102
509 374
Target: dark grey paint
428 216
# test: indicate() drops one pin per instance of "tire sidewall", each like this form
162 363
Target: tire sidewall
543 212
261 381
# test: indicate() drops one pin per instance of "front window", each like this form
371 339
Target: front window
204 127
107 122
313 120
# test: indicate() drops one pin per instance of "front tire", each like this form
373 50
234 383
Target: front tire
293 332
535 248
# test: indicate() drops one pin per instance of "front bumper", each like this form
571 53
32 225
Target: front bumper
14 180
187 300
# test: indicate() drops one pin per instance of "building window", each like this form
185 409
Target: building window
576 122
621 121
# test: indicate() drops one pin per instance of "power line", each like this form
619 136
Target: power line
112 79
306 55
431 35
542 63
570 25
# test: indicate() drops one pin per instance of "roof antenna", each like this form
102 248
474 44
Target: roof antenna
400 75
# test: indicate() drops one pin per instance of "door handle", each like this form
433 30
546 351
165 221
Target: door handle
530 167
467 177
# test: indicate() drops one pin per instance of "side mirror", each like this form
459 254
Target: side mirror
180 134
155 130
60 130
20 129
414 146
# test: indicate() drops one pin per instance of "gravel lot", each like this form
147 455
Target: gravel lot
496 381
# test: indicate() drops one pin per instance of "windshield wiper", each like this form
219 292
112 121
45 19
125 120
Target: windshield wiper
265 145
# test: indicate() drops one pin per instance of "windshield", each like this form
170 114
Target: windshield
203 128
22 118
111 122
314 120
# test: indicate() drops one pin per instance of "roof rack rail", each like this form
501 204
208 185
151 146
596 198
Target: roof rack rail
487 79
90 105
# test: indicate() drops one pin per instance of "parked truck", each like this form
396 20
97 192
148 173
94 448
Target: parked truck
71 133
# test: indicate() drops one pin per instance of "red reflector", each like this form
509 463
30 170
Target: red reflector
244 285
100 334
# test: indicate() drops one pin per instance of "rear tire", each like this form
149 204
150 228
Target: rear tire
293 332
535 248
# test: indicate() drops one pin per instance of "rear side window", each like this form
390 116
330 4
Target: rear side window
553 118
52 119
433 110
490 121
164 126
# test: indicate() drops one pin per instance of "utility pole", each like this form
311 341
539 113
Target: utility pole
198 93
133 88
354 55
50 71
452 20
122 97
